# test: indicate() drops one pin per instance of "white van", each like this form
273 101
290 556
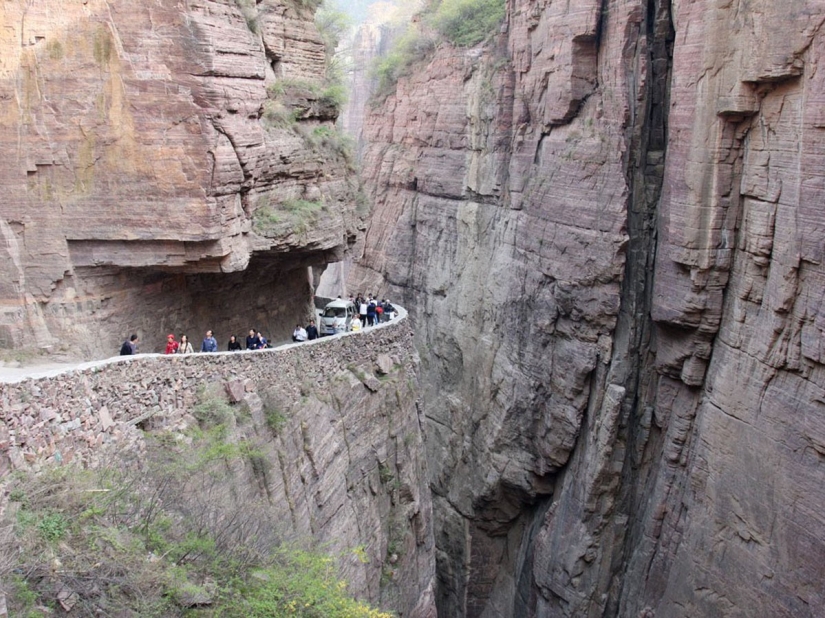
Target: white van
337 317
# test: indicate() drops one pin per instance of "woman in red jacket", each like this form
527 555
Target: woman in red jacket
171 344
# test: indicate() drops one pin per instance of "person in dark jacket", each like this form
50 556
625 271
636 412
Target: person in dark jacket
371 313
234 344
210 344
129 347
312 331
252 342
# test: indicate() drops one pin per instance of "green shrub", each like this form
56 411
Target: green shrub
334 95
53 527
409 48
334 142
212 409
302 208
467 22
299 583
150 541
249 10
23 599
461 22
276 115
288 92
275 420
293 85
333 26
291 215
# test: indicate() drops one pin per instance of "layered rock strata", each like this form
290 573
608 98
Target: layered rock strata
347 462
607 227
147 144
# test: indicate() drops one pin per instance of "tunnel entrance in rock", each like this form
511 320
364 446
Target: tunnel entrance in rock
109 303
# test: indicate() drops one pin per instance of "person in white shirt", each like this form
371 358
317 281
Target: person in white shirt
299 334
355 325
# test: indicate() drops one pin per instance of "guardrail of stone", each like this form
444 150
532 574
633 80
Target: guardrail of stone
73 413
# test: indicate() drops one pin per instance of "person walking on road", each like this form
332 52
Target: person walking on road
171 344
299 335
371 313
312 331
129 348
210 344
185 347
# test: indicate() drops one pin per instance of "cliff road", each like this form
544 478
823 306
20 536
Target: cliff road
606 219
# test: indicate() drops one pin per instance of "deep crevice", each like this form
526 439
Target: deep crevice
646 179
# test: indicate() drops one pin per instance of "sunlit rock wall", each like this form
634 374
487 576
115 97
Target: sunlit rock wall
137 141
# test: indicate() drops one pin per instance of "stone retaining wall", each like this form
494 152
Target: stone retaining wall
73 416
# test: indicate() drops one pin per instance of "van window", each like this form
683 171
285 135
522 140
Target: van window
335 312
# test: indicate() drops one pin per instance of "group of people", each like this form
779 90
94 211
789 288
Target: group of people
371 311
254 341
305 334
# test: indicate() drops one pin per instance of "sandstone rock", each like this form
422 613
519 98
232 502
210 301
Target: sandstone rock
105 418
236 390
372 383
47 415
130 196
610 245
383 364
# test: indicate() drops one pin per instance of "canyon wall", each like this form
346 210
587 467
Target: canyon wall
347 460
607 225
151 148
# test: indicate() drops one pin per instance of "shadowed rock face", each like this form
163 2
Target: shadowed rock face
607 228
140 142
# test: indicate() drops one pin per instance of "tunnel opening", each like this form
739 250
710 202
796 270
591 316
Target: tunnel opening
108 303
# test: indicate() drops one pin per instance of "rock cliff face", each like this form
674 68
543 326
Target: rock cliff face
607 225
150 148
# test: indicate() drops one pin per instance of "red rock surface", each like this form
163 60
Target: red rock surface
137 148
608 228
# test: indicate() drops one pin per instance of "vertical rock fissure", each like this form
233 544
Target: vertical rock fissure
634 333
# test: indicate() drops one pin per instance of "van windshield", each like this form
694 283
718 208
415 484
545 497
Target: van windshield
335 312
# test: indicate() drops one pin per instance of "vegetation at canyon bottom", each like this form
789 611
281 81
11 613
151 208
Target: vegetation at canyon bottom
168 534
460 22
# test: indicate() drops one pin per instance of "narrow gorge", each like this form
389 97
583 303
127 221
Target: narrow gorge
606 219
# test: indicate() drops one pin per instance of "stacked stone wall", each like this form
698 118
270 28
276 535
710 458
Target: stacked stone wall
77 415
